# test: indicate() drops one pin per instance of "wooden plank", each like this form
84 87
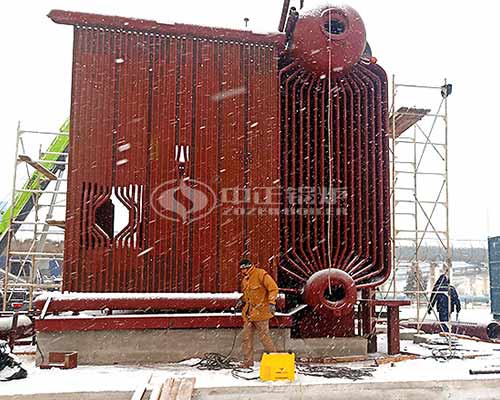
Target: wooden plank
406 117
186 388
466 337
24 353
55 222
403 357
139 392
156 392
167 387
39 167
141 389
172 392
45 307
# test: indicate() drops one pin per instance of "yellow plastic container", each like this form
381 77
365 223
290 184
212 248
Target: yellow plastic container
277 366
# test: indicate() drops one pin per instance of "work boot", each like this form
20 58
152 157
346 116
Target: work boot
246 364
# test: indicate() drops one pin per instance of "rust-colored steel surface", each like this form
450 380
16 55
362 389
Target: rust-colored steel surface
484 331
335 224
350 230
335 150
221 144
149 321
329 40
136 301
171 113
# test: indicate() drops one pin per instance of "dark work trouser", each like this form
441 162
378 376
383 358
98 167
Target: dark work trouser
443 318
262 329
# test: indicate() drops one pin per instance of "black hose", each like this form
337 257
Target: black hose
329 371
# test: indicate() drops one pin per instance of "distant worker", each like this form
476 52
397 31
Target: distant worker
439 298
259 306
54 268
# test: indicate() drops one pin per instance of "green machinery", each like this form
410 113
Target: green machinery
23 200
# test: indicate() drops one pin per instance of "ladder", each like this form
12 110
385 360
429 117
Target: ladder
44 179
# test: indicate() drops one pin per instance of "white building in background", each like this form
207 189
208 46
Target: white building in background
470 280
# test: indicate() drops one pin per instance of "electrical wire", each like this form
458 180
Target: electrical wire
444 350
444 354
236 372
217 362
330 145
331 372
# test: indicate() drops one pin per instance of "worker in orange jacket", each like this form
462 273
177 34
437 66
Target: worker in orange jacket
259 306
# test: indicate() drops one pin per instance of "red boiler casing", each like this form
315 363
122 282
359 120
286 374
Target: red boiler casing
329 40
220 144
156 107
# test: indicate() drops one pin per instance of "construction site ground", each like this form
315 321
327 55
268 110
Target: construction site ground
427 377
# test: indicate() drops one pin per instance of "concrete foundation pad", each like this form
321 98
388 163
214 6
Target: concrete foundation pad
428 338
429 390
404 333
421 378
173 345
328 347
407 333
71 396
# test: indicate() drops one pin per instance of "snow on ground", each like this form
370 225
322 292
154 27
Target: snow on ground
127 378
471 314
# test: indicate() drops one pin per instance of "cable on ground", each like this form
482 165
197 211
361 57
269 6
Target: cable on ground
217 362
445 354
328 371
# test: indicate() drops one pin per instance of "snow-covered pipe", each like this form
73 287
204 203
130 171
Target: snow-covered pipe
485 331
141 301
23 329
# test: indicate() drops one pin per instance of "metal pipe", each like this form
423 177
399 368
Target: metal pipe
141 301
10 232
291 22
483 331
284 13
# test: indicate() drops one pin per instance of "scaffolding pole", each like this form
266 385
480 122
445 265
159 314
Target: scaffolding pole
35 232
419 193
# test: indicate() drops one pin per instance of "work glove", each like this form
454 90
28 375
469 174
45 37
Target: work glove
239 305
272 308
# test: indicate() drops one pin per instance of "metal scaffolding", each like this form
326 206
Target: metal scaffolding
38 195
419 194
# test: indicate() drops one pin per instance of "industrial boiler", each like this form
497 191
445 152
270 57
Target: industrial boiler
192 147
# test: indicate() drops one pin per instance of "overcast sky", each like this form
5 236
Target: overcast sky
420 41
